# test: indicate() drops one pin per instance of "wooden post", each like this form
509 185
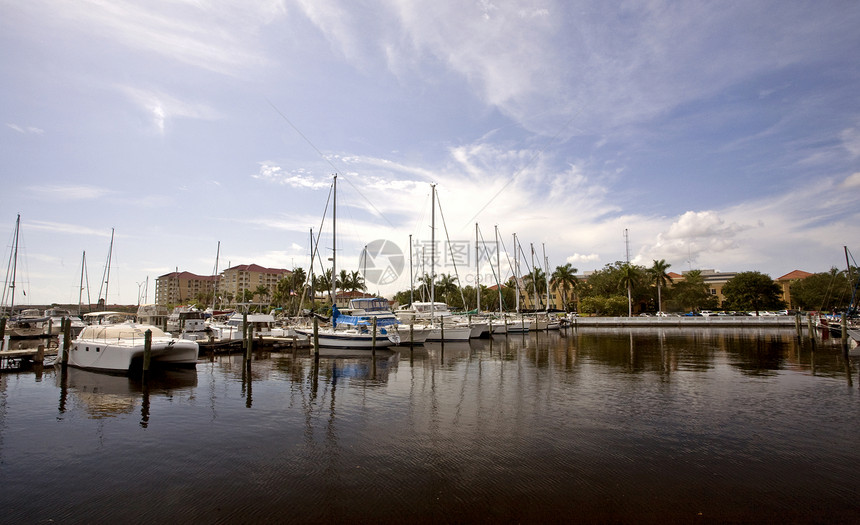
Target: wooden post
442 325
797 325
250 347
40 354
50 327
373 338
245 334
316 338
810 328
147 349
67 340
411 332
2 332
844 329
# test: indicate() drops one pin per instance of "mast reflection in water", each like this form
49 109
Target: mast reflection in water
594 425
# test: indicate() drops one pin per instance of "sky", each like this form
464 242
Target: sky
713 135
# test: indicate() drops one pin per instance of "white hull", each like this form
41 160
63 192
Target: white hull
519 326
451 333
91 351
355 339
417 336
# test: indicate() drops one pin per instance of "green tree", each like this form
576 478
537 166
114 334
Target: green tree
753 291
447 287
535 283
342 281
355 282
660 278
564 279
262 292
246 296
630 277
824 291
323 282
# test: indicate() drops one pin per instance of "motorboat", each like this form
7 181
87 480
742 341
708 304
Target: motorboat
120 347
187 322
57 316
154 314
380 308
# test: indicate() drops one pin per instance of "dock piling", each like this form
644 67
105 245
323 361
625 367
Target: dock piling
147 349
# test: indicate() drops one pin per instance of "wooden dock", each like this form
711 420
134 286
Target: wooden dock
17 359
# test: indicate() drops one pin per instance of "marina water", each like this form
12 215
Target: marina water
643 425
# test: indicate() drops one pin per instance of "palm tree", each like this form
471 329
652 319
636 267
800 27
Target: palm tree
629 278
661 278
263 291
447 285
323 282
535 282
356 282
564 278
342 280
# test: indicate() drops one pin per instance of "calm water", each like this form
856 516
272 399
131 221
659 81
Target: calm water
597 425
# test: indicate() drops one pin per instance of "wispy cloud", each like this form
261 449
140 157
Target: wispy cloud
63 192
65 228
218 36
298 178
162 107
25 130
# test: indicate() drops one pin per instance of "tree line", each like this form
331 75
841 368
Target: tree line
617 289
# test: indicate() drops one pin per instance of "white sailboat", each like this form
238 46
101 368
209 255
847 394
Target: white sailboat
348 331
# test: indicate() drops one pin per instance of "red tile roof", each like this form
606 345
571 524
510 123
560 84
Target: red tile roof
796 274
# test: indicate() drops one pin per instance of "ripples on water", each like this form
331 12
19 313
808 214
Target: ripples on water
596 425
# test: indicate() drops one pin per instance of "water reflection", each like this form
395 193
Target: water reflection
596 425
102 395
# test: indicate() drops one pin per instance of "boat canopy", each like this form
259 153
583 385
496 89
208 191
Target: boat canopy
120 331
370 304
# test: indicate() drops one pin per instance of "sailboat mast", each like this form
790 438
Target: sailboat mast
107 268
498 269
215 285
477 271
81 288
14 262
411 285
517 272
311 275
334 243
432 251
534 277
546 274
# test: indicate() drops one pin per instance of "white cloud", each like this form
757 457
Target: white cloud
577 258
65 228
299 178
28 130
55 192
852 180
162 107
217 36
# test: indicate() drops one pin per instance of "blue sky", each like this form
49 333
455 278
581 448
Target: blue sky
720 135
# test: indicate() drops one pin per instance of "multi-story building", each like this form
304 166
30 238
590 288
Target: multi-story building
234 281
183 287
785 283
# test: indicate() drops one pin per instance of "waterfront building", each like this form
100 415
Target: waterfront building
785 282
183 287
235 281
